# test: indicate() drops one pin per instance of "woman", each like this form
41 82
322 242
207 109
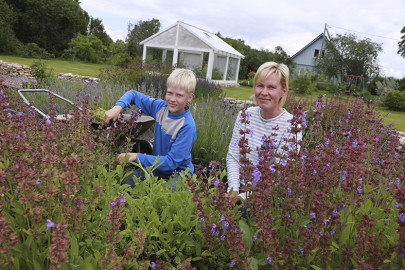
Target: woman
268 118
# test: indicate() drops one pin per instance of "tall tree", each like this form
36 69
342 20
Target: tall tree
8 41
401 44
345 54
51 24
96 28
138 32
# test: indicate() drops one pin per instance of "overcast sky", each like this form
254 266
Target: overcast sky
290 24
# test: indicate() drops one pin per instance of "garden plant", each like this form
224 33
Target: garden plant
337 202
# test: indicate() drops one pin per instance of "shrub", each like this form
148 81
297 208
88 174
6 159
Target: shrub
395 100
39 70
337 203
32 50
304 83
385 86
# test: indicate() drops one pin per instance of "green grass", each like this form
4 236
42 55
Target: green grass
60 66
244 93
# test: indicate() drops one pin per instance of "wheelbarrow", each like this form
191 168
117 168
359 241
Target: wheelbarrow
143 143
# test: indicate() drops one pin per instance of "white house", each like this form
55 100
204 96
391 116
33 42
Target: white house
188 44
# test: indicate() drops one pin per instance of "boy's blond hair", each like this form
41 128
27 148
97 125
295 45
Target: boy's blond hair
182 78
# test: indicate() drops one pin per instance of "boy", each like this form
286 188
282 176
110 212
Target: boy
175 130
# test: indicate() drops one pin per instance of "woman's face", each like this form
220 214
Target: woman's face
268 94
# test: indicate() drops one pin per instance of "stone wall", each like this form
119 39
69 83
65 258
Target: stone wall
14 69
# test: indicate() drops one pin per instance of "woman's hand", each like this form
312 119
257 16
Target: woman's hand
233 197
123 156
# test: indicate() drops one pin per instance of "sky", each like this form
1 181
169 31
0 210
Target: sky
265 24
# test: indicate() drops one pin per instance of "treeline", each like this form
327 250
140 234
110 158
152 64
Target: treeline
62 29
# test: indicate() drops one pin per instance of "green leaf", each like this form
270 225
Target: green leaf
345 235
316 267
206 253
246 233
253 262
74 247
37 266
161 251
85 264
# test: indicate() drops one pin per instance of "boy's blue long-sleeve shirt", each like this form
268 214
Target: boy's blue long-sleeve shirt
173 138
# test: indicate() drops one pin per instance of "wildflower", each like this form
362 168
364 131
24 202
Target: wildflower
153 265
48 121
283 162
396 205
222 237
232 264
327 142
332 233
326 221
289 191
343 175
198 213
312 215
254 238
49 224
397 181
337 151
256 174
335 212
204 170
269 260
112 204
354 144
377 139
359 189
301 251
202 220
314 172
222 218
251 133
189 191
38 182
402 217
18 137
247 115
226 225
123 200
216 183
211 165
271 168
15 191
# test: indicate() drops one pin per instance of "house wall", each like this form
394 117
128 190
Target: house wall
305 59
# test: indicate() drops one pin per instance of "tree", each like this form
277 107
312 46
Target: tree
401 44
49 23
96 28
88 48
138 32
345 54
7 18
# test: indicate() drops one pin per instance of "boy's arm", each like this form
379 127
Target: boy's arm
179 151
147 104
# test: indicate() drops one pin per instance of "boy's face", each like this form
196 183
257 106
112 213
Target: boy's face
177 100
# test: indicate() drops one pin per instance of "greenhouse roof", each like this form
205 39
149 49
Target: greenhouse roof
191 38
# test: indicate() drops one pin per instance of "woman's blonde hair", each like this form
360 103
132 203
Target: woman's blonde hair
281 70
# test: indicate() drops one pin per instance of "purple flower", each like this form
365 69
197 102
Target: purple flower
222 218
289 191
153 265
396 205
232 264
38 182
337 151
354 144
222 237
112 204
211 165
251 133
301 251
343 175
402 217
202 220
216 183
123 200
198 213
204 170
256 174
271 168
226 225
335 212
15 191
254 238
332 233
312 215
269 260
326 221
359 189
397 181
377 139
48 121
327 142
49 224
314 172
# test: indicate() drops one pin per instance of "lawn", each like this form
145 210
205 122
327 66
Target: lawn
244 93
60 66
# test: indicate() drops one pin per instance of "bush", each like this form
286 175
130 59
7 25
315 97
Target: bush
32 50
304 83
395 100
386 86
39 70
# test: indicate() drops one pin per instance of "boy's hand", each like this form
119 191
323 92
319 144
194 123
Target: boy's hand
131 157
112 114
233 197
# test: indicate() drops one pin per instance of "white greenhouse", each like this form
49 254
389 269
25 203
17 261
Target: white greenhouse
199 50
